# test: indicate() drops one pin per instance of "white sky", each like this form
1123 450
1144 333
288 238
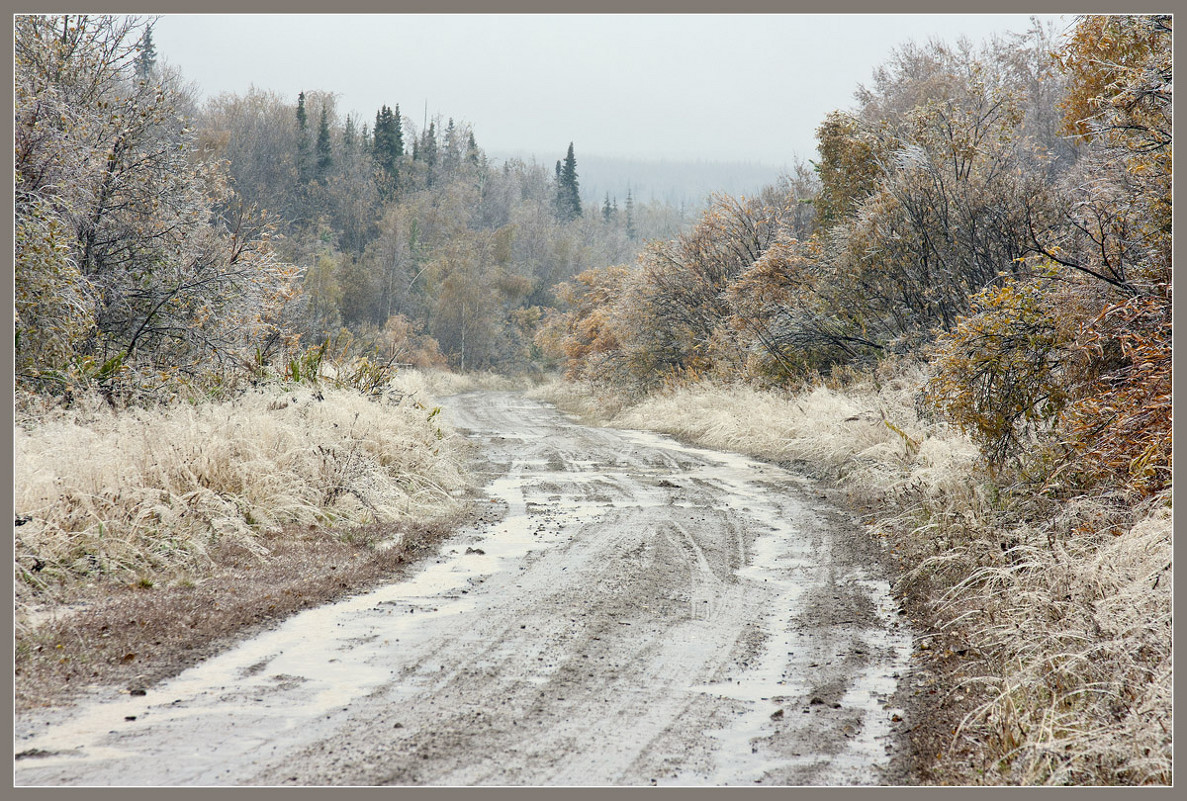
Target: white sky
705 86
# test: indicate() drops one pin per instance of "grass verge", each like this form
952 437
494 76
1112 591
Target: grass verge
146 538
1044 654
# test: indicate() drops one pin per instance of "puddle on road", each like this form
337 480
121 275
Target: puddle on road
780 561
216 716
292 685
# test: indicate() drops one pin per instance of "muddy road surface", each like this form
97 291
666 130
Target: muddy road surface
629 610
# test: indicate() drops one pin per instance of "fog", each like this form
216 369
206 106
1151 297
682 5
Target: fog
739 88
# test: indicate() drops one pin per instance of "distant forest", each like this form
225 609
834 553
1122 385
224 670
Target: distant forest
684 185
163 242
1002 212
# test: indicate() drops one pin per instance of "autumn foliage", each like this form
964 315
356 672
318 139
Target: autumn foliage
989 254
948 220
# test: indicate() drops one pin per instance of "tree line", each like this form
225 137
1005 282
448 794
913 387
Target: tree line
163 243
1000 211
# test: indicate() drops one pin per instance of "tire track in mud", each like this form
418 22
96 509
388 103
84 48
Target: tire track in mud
642 612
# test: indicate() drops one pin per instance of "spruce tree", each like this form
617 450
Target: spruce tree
388 144
630 216
146 56
302 141
472 155
452 155
428 152
324 155
606 209
568 195
397 135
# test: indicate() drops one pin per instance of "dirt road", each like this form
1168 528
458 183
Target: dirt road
630 611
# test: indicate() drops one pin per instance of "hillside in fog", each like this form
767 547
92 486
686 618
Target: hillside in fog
672 182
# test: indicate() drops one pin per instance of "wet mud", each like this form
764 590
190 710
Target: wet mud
627 611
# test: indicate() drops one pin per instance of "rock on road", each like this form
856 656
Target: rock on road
630 611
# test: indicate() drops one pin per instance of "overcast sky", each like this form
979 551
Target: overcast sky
710 87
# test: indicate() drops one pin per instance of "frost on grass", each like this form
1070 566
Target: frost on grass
1079 626
440 383
149 491
1064 613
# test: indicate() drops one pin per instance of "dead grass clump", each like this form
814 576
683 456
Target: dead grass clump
140 493
1075 630
866 436
592 404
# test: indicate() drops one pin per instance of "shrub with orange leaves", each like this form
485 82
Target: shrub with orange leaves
583 335
998 375
1120 429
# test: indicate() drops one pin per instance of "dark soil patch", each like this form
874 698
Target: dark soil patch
129 637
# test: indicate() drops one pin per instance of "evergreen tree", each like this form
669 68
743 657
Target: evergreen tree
568 196
324 155
452 155
349 135
428 152
146 57
302 141
606 209
630 216
388 147
397 135
472 150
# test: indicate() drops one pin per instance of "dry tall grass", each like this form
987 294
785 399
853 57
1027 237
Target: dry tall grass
1066 615
145 493
1078 624
439 383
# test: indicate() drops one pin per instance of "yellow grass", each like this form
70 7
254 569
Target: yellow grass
149 491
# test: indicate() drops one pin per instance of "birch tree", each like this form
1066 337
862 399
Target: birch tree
133 258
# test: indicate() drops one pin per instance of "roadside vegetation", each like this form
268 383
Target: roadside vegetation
148 535
961 317
232 320
144 493
1045 628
